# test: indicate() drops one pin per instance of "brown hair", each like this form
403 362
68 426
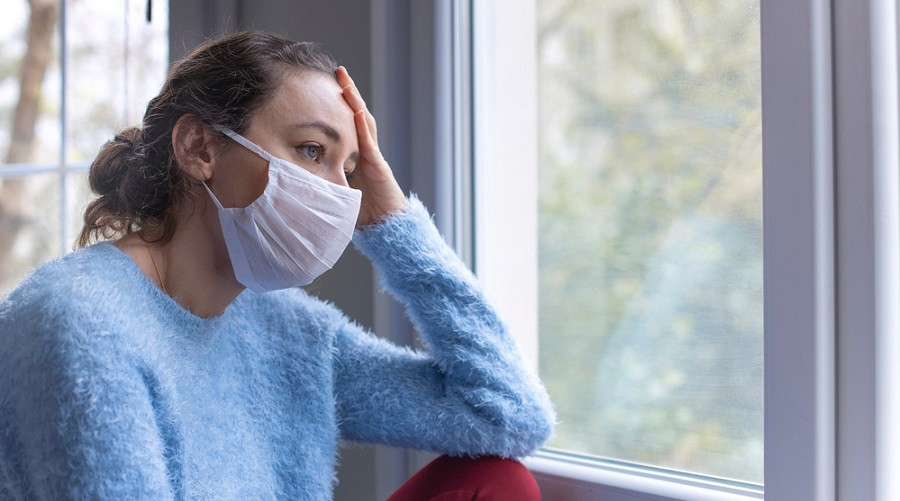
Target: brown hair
135 176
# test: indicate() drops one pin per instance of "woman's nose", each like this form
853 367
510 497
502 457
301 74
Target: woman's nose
337 176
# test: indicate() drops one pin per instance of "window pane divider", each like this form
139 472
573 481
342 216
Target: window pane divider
798 255
27 169
867 208
63 131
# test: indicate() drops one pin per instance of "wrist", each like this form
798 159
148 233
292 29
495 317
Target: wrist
384 213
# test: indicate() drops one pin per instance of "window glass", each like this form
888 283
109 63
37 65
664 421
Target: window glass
30 231
115 61
78 195
29 137
650 231
35 60
115 68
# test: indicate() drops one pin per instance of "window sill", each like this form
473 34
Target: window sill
564 477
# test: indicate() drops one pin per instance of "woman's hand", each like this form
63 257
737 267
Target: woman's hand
381 194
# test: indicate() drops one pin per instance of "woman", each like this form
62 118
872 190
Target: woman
140 367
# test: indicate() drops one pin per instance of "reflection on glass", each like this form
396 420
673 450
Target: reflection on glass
650 217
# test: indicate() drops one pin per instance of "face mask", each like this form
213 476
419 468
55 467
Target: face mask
295 231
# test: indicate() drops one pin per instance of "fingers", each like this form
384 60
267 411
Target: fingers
351 95
349 90
343 77
366 142
373 128
355 101
359 106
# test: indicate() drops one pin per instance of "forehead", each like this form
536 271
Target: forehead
309 96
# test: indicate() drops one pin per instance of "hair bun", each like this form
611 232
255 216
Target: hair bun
114 161
126 136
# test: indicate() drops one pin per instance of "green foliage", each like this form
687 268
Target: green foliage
651 230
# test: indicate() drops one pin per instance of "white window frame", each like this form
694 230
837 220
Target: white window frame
63 168
831 248
867 210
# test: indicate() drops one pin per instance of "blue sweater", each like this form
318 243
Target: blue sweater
110 390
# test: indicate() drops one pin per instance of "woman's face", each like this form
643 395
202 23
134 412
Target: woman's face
307 122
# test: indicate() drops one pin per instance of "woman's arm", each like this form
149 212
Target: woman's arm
76 420
470 393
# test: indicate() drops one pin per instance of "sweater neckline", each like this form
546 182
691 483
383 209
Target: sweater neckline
162 300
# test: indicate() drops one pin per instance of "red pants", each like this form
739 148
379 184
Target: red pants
461 479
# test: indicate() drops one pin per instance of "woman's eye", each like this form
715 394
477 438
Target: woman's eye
311 151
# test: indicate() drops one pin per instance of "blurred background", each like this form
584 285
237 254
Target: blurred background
650 230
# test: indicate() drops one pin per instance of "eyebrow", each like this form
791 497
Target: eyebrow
326 129
330 132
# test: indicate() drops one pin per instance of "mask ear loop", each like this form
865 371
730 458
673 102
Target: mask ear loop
212 196
246 143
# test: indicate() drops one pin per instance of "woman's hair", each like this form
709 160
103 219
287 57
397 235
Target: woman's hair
221 82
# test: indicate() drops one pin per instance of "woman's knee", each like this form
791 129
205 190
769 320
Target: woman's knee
487 478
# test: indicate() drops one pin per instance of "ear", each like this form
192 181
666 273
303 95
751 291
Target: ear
194 147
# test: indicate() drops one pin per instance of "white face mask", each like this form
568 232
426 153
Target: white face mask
295 231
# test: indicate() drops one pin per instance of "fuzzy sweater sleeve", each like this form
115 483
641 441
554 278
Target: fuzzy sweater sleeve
77 421
470 392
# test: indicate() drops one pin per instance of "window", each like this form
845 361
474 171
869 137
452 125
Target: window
95 65
600 112
650 231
